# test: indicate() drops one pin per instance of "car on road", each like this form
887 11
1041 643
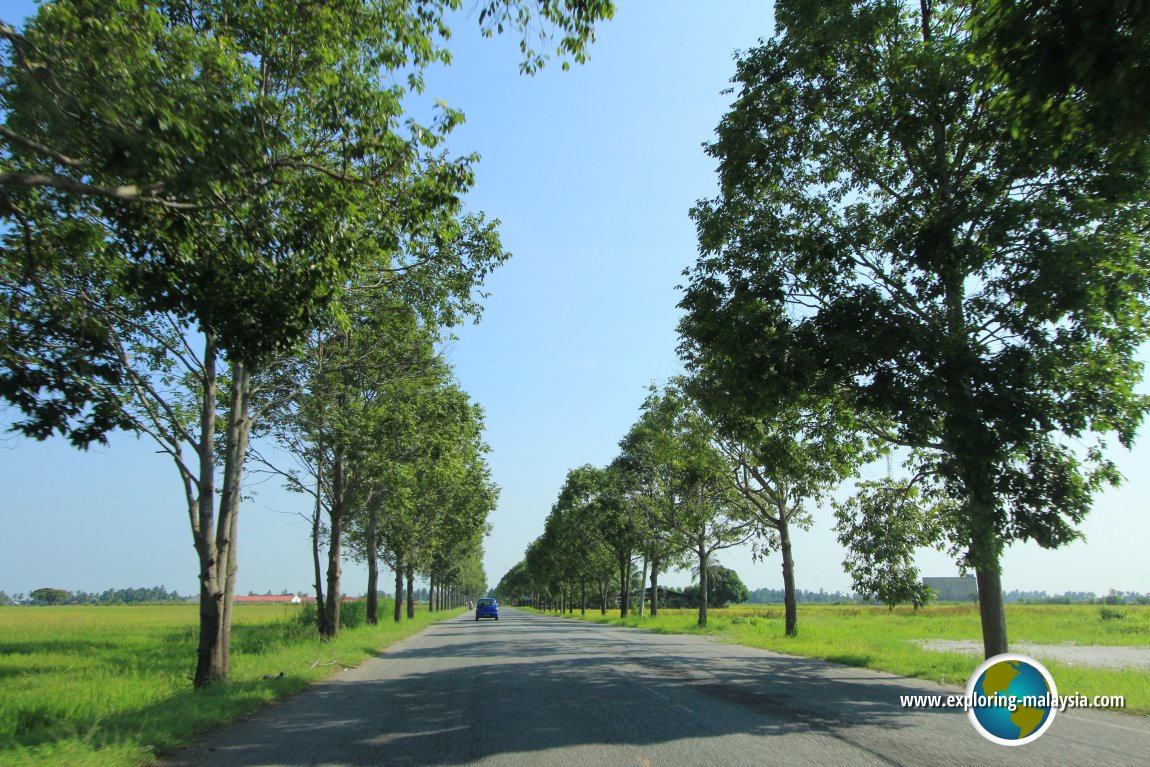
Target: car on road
486 608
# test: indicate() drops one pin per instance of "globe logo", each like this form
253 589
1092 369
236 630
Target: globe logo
1012 699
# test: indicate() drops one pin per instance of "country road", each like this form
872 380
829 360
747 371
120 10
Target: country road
535 690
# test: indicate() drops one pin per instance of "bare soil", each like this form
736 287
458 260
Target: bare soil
1098 656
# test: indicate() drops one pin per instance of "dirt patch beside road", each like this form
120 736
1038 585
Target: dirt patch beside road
1098 656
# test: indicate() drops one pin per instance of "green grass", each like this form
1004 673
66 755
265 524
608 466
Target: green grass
883 639
111 686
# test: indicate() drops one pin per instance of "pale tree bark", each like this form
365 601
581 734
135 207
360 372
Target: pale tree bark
214 656
316 530
209 666
624 585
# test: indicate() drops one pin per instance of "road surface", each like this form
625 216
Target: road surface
537 690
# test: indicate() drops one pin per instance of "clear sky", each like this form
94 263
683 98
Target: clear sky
592 173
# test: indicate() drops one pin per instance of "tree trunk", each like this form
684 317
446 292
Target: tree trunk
213 660
790 606
624 586
642 587
582 597
320 609
603 597
334 546
703 585
992 610
398 613
370 546
431 592
410 591
202 513
655 587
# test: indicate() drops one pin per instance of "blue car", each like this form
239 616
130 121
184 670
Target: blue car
487 608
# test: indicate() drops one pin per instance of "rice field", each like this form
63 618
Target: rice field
887 639
111 686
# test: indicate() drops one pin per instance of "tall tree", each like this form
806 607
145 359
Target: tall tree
219 170
783 464
597 496
699 510
880 235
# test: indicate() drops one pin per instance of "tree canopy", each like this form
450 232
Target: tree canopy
881 234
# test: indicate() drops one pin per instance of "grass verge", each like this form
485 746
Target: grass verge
882 639
111 686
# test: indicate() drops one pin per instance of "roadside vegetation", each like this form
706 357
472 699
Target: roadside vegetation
112 686
886 639
929 248
243 232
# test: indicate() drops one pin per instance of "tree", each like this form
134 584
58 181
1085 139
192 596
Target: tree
780 464
195 175
691 501
50 596
597 497
724 587
880 235
882 526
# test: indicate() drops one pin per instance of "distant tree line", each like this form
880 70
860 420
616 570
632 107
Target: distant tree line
1113 597
775 596
128 596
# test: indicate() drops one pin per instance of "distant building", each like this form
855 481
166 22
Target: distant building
953 589
284 599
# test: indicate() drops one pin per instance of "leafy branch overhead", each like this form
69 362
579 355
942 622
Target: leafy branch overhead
884 234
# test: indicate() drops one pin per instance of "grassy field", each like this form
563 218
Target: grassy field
879 638
111 686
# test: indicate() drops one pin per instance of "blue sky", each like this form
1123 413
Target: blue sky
592 173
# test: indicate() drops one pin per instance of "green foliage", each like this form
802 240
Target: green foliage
880 236
225 168
1071 74
352 614
574 19
1110 614
49 596
881 527
724 587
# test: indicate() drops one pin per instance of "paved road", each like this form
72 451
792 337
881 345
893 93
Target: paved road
534 690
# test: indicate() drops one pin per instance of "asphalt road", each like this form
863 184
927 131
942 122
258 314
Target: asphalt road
534 690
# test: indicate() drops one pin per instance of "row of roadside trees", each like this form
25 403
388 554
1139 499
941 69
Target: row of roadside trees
223 223
929 242
684 487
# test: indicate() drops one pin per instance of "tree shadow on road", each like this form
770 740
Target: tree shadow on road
536 687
